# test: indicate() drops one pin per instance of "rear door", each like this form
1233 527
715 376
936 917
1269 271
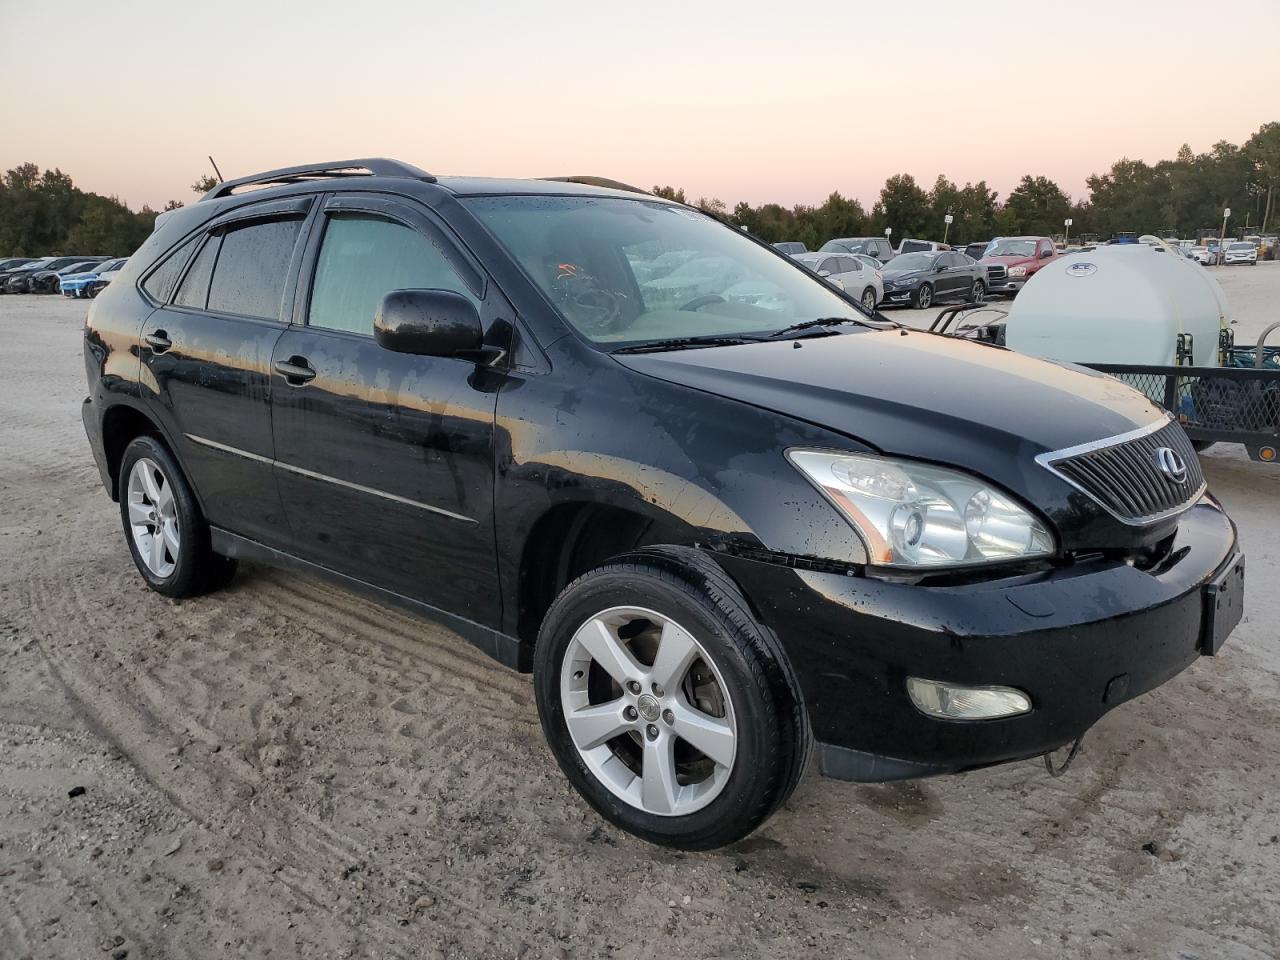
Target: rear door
385 460
206 357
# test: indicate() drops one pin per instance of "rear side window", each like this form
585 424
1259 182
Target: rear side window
194 291
252 268
362 258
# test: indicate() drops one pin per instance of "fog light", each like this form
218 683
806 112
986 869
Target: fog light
966 703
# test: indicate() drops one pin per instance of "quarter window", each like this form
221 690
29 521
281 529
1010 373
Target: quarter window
160 283
252 268
194 291
362 259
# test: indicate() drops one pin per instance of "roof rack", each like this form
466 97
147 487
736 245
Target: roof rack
369 166
597 182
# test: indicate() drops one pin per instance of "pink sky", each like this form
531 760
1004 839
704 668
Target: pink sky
741 101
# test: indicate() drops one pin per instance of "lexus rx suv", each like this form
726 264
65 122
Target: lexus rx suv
728 522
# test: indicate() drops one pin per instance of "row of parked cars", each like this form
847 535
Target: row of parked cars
920 273
74 276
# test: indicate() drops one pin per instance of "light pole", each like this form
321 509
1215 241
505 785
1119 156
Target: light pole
946 226
1066 237
1222 237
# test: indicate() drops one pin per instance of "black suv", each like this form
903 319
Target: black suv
718 510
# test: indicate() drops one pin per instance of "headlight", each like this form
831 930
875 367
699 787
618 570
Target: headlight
1017 271
912 515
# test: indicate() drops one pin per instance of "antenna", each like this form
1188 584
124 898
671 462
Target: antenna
216 170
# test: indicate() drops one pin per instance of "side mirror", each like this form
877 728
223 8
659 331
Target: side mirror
430 323
1046 254
824 273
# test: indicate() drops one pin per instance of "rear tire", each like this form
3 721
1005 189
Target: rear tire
650 616
869 300
163 527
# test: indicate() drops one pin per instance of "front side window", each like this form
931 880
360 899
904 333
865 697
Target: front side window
634 271
362 259
252 268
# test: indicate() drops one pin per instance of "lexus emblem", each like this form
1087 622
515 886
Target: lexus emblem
1171 465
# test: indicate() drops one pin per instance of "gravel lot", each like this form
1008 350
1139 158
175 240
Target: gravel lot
283 769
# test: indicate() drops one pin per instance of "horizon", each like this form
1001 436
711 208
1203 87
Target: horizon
707 108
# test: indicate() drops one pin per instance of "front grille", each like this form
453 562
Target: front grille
997 271
1124 474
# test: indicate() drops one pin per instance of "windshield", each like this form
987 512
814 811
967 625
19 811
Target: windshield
911 261
631 271
1012 248
844 246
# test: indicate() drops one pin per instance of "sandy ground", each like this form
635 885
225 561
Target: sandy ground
284 770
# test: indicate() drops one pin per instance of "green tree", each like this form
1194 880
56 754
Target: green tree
904 207
1036 207
204 184
670 193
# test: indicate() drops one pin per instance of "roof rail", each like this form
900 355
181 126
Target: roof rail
597 182
369 166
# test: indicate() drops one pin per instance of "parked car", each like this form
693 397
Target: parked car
850 274
1241 252
975 251
90 282
19 281
22 266
791 247
871 262
49 281
1205 256
924 278
715 531
877 247
922 246
1012 261
13 263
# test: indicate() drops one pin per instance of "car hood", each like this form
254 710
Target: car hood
892 275
908 393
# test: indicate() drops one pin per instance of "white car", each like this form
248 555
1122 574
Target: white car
1241 252
849 273
1204 255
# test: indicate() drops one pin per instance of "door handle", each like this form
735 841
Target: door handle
296 371
159 341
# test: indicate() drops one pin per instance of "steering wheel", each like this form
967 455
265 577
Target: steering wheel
591 306
699 302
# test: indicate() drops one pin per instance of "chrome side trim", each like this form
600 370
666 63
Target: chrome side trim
361 488
1047 461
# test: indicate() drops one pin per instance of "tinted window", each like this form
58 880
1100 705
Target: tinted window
829 265
194 291
252 268
362 259
849 265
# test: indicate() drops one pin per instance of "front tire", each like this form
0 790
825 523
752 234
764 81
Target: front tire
979 292
667 705
166 533
923 298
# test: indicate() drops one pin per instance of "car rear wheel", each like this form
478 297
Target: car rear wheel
167 536
667 705
869 300
923 297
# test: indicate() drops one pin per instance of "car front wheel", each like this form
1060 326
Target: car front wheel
979 292
923 297
667 705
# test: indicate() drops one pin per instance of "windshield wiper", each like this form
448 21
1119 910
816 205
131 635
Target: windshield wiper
831 321
687 343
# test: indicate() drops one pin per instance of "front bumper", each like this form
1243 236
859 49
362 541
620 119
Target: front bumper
1009 285
1078 640
903 295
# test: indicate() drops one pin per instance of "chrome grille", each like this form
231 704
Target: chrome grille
1124 475
997 271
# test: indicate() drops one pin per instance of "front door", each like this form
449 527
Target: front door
385 460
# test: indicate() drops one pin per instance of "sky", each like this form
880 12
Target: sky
736 100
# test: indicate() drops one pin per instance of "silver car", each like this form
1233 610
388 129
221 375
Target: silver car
848 272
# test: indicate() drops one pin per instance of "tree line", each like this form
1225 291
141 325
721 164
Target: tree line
45 213
1181 196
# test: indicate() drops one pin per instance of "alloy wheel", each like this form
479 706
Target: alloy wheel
153 518
979 294
869 300
648 711
925 297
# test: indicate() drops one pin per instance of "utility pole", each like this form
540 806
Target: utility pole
1222 238
1066 237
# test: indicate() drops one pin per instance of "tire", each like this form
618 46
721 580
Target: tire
166 504
869 300
923 298
741 681
978 293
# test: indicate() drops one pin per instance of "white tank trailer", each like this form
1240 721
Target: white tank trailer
1126 303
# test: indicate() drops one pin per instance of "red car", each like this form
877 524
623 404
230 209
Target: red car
1012 261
